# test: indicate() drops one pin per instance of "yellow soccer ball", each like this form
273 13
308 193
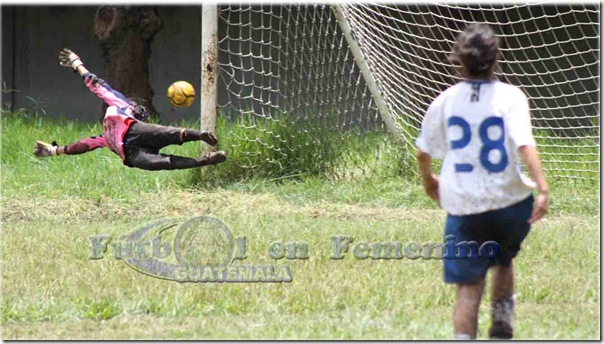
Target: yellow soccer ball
181 94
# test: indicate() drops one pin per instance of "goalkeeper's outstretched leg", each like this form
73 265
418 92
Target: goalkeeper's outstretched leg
141 134
152 160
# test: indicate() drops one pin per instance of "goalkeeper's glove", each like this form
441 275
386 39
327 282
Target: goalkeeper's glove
43 149
68 58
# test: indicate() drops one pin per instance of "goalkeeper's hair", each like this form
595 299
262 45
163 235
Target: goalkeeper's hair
141 112
477 49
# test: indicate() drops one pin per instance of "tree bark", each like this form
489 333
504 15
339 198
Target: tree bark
125 34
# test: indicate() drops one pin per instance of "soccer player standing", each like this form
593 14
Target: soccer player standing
481 128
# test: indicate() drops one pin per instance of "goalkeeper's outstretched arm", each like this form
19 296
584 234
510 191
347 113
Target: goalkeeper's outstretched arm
69 59
98 86
43 149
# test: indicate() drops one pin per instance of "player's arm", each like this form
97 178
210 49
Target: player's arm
98 86
518 124
431 143
43 149
530 156
429 179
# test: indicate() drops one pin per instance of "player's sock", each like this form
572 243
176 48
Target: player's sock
181 162
462 336
187 135
501 318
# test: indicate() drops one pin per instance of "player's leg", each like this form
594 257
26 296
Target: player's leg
181 162
151 160
146 159
465 315
502 302
464 267
512 227
156 136
196 135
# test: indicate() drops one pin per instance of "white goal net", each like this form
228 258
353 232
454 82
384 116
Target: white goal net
293 94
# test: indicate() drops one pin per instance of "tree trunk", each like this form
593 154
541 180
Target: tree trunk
125 34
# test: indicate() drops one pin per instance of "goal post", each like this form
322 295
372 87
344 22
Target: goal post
209 50
349 83
367 74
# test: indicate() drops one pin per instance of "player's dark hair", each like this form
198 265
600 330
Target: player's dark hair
477 49
140 111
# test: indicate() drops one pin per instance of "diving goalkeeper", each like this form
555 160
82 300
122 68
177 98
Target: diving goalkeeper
124 132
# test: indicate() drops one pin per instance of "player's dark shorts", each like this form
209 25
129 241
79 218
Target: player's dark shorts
152 136
143 141
491 238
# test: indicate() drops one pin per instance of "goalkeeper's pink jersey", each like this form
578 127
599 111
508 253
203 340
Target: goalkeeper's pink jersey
118 118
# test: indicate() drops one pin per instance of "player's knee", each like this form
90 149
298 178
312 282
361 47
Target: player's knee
473 290
187 135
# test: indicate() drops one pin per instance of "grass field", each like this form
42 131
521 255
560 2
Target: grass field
51 290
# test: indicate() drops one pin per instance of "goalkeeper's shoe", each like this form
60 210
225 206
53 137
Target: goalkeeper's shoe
214 158
209 138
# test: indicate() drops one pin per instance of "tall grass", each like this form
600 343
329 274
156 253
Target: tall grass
284 148
297 147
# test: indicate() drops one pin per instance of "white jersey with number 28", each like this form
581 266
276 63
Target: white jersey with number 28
477 127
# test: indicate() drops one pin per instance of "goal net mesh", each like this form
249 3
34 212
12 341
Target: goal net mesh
295 102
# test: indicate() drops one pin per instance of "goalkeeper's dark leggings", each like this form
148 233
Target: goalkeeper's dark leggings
143 141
